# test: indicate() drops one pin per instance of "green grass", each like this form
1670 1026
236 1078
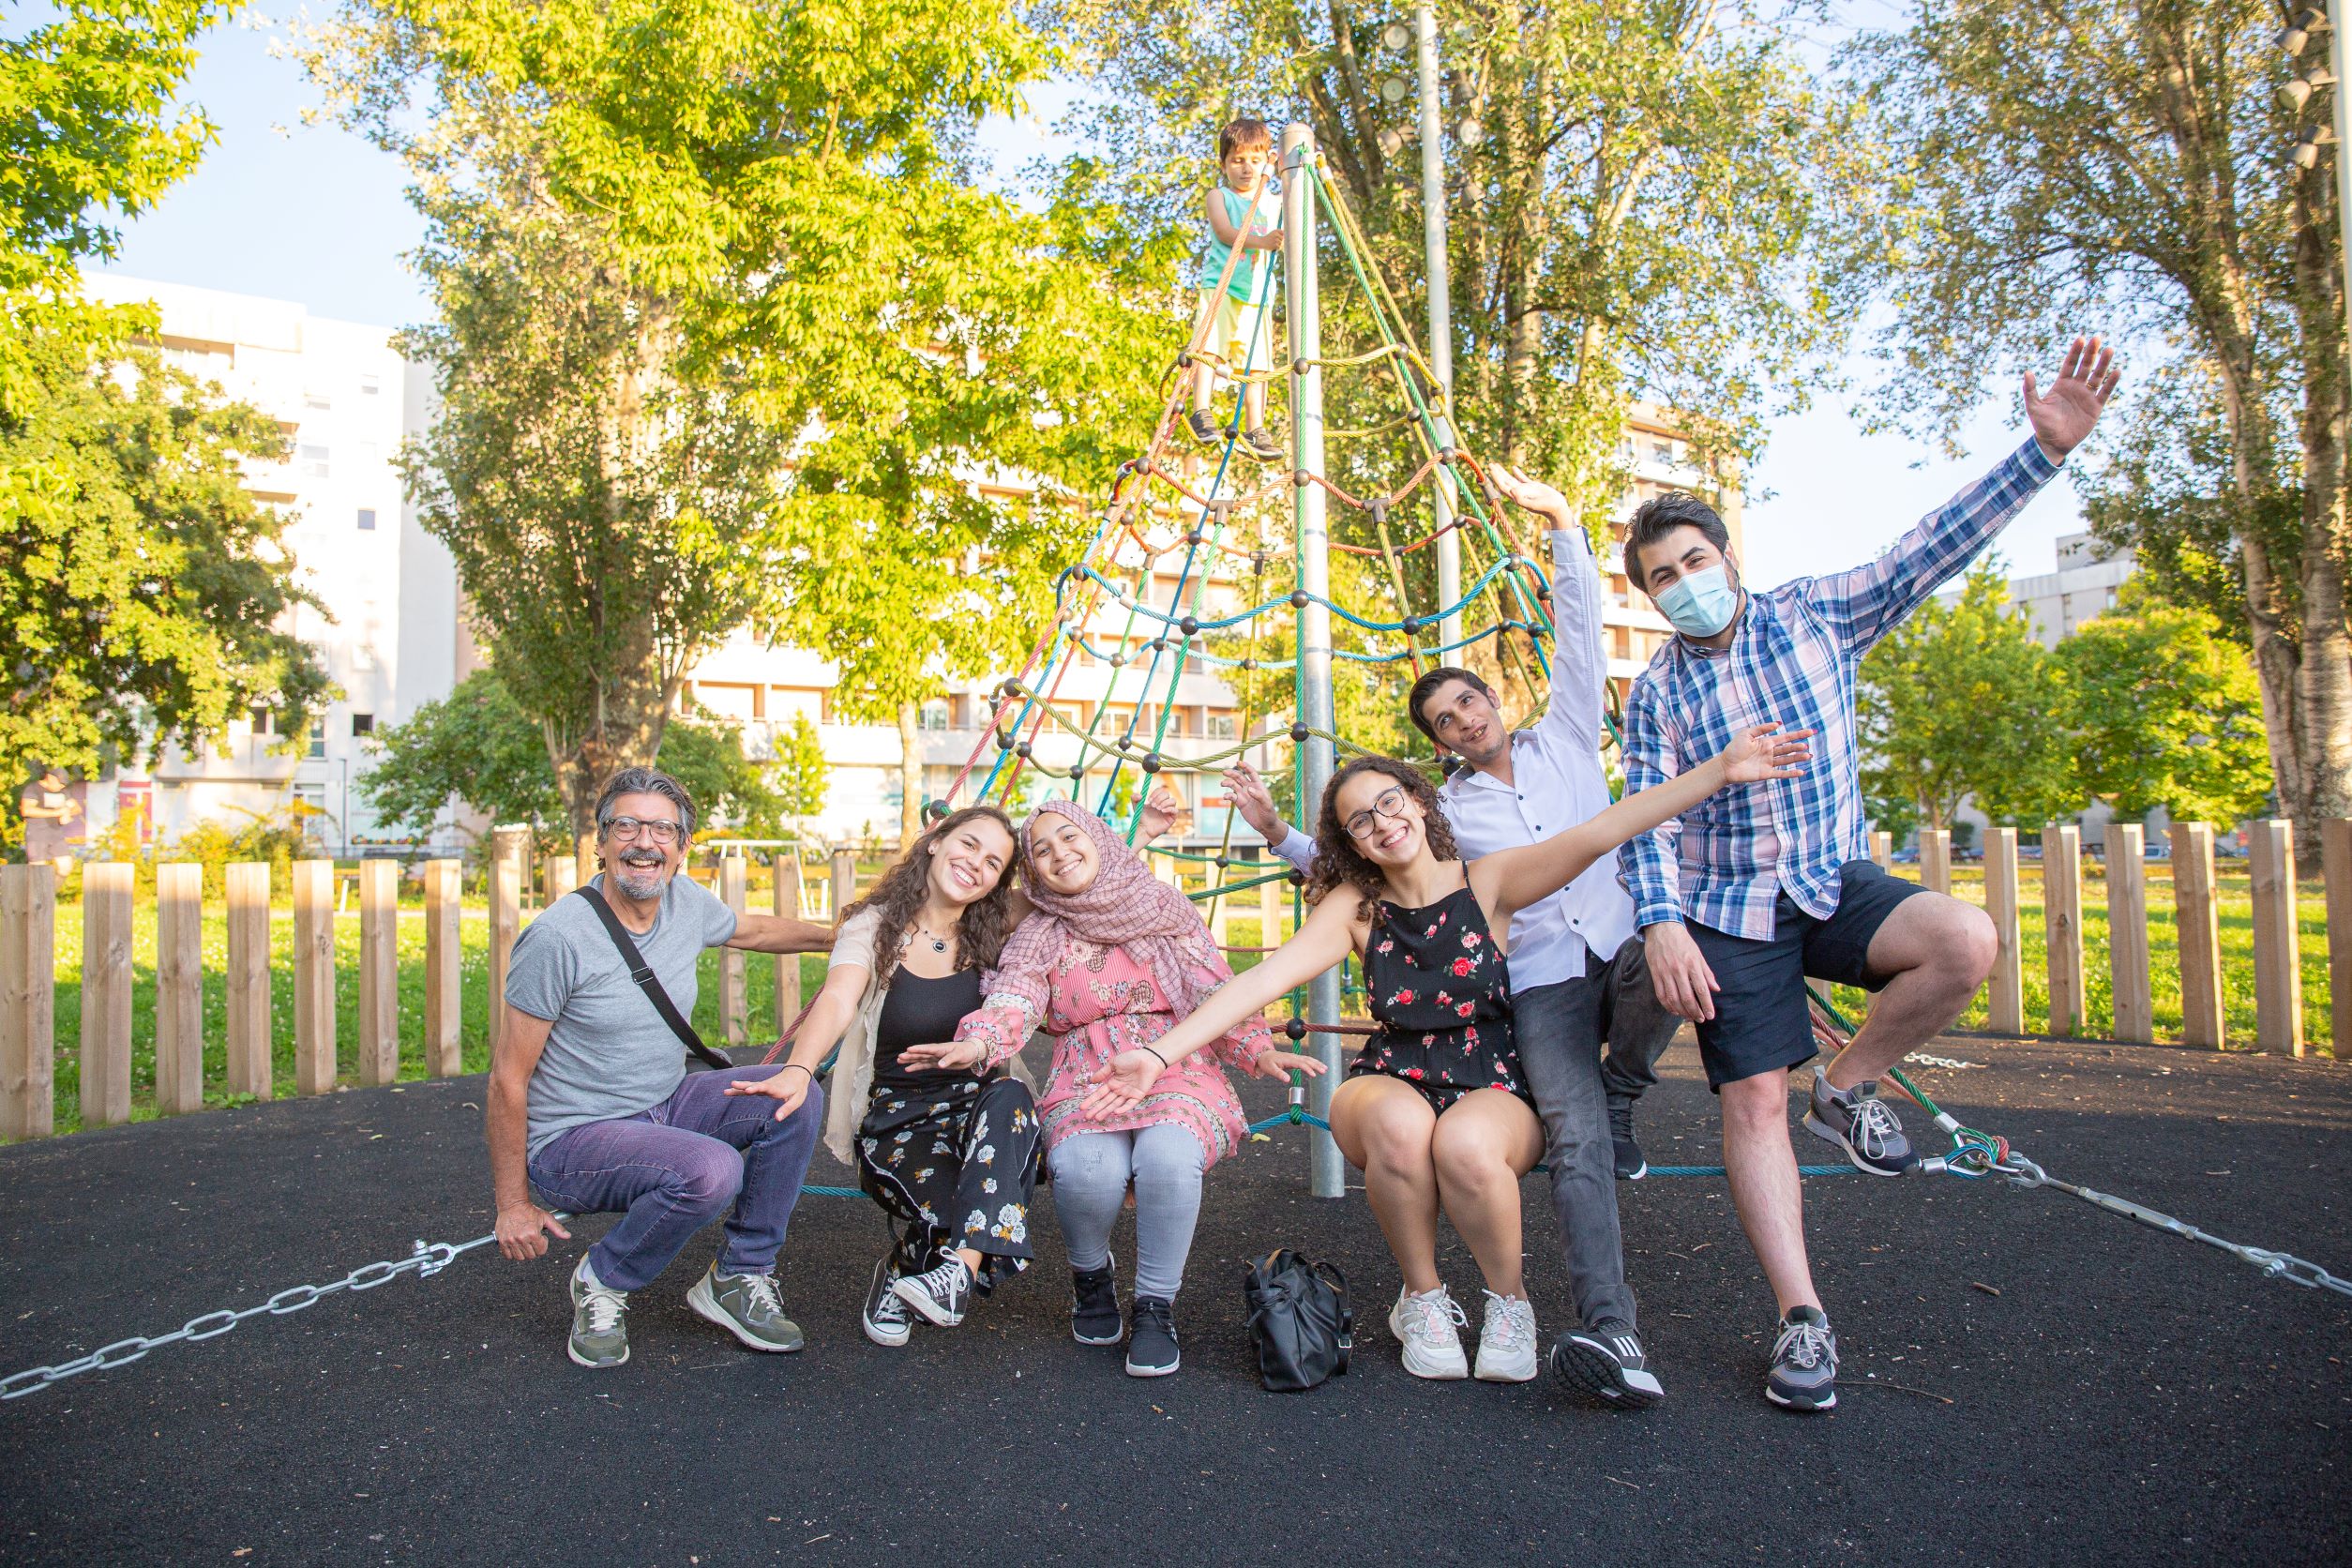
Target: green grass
2234 916
474 940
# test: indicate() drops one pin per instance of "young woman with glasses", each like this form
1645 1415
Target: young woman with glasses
1435 1111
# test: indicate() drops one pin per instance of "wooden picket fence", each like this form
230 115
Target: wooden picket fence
28 911
28 923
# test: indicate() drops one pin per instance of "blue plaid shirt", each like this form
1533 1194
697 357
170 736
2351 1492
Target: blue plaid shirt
1726 862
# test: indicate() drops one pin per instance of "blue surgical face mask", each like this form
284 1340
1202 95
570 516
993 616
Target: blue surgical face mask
1700 603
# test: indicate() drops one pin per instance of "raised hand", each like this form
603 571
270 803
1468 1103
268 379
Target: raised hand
1534 494
1761 752
1250 797
2086 380
1161 809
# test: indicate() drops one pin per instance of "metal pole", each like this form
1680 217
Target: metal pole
1327 1177
1441 299
2337 51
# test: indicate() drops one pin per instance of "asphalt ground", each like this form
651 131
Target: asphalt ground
2125 1395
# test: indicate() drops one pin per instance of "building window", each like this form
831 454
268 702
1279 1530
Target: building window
934 715
318 737
363 724
370 385
317 399
367 519
310 461
1224 726
264 722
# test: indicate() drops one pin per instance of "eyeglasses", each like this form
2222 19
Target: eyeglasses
630 827
1389 803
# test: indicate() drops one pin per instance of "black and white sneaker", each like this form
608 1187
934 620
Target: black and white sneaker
1094 1305
1203 426
1606 1361
1630 1163
1805 1363
1860 1122
942 1293
885 1315
1151 1339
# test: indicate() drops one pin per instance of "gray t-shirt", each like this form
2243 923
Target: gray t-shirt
609 1054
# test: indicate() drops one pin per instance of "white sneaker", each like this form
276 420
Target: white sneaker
1506 1341
1428 1326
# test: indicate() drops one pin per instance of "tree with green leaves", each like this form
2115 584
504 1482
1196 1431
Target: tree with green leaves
2164 710
2129 164
1960 701
1634 190
478 748
142 588
724 330
802 774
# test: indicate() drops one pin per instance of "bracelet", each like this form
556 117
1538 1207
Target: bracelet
1163 1060
810 1071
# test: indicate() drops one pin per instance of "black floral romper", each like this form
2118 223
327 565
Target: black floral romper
1441 994
950 1155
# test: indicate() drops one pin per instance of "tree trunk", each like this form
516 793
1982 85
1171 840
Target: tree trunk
910 773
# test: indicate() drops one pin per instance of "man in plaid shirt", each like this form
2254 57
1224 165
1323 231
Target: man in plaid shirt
1740 899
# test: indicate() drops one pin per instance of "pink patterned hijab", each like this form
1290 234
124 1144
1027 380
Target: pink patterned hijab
1124 907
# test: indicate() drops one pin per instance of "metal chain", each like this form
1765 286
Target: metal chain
2276 1265
427 1260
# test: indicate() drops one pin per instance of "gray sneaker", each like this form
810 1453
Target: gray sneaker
600 1323
745 1306
1805 1363
1857 1120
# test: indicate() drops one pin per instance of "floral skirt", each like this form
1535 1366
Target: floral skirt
954 1163
1445 1064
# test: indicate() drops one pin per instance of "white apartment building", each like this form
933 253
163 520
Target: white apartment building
2083 588
390 637
393 638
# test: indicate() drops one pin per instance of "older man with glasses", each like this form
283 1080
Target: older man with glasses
591 1104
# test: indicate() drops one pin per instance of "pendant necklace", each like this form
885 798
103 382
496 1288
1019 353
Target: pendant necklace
939 944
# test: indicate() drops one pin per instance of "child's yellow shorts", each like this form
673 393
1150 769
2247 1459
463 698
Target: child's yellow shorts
1240 334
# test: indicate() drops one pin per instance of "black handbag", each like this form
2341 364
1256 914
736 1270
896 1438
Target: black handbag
1299 1320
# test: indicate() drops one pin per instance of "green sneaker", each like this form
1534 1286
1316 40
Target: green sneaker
745 1306
600 1325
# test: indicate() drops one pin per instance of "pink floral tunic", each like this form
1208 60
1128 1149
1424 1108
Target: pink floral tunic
1101 1003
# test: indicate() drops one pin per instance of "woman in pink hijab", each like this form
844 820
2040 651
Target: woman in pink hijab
1110 960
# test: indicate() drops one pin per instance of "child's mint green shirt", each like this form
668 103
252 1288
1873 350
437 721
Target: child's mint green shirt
1250 276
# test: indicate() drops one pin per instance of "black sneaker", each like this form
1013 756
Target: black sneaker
1860 1122
1805 1363
886 1321
1204 429
1261 444
1094 1305
942 1293
1606 1361
1631 1164
1151 1339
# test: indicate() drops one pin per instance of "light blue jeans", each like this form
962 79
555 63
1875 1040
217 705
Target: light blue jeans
1090 1172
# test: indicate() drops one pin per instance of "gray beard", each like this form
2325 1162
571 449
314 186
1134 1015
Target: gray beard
644 885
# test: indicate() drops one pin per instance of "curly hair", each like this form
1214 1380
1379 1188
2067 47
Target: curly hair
980 930
1338 862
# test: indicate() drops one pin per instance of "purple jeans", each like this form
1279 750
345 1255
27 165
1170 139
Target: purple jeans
673 1168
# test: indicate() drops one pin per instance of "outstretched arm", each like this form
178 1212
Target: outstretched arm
1255 804
828 1018
779 933
1511 879
1579 663
1322 942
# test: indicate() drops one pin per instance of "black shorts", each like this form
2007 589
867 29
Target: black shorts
1762 1021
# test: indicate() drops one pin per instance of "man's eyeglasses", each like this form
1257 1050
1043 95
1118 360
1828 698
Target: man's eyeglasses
1389 803
630 827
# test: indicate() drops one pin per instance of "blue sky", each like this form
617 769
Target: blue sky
314 214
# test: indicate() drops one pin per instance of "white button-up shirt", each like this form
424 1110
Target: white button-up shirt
1557 783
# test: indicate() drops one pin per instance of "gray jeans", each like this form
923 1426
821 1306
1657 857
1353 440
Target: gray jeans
1559 1029
1091 1173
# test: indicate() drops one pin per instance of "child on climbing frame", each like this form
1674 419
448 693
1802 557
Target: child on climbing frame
1246 198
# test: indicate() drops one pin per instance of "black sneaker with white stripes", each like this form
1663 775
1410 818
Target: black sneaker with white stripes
886 1316
942 1294
1606 1361
1625 1155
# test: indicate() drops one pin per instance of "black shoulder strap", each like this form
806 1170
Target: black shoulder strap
650 984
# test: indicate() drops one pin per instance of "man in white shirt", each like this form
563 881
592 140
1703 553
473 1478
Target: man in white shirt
1575 978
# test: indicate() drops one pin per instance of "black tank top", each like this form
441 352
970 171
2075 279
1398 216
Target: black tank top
920 1012
1440 992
